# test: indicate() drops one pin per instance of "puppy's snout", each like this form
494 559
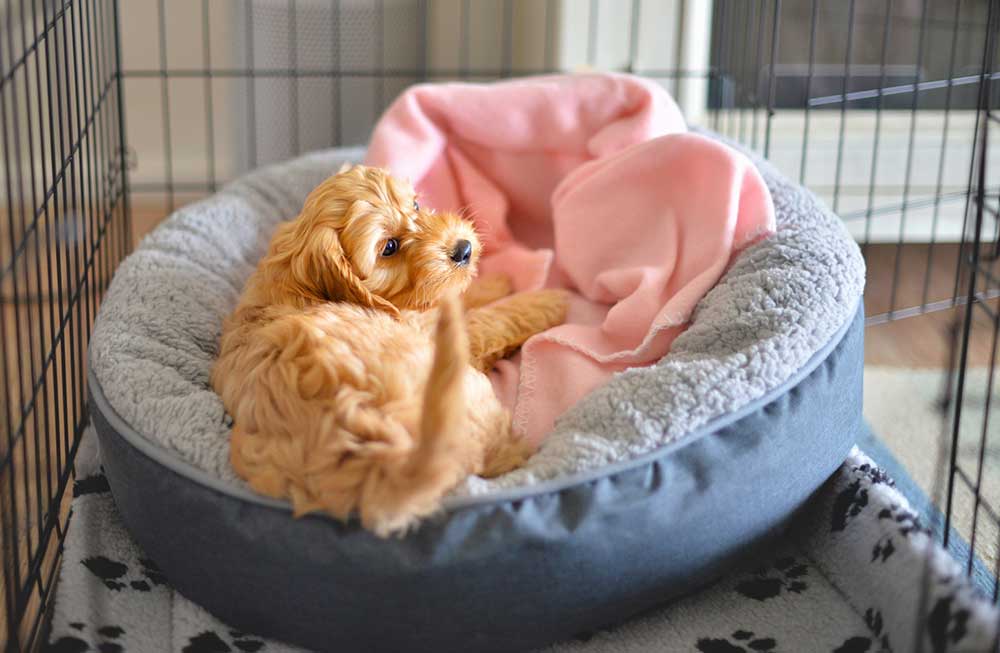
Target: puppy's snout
462 252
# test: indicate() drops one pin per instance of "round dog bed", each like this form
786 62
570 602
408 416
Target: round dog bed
650 487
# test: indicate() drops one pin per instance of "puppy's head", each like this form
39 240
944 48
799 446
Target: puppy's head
362 237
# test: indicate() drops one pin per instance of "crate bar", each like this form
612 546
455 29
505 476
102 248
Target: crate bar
338 118
40 502
772 80
982 445
942 305
810 74
507 56
122 151
550 35
465 72
422 10
49 426
633 35
901 89
463 39
944 152
717 74
71 204
839 170
168 153
869 211
592 27
12 561
293 53
251 91
914 104
741 93
58 201
978 161
755 89
206 58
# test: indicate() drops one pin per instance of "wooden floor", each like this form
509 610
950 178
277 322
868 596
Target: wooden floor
925 340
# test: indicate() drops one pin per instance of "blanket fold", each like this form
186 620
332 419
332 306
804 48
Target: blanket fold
586 182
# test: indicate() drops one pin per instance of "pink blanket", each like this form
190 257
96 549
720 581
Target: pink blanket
586 182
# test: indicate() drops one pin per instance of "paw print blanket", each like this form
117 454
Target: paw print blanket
848 578
585 182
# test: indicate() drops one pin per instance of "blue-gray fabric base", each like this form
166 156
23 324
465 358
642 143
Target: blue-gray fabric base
504 572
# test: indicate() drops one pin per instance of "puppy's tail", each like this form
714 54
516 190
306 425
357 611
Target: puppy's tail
442 420
389 457
444 452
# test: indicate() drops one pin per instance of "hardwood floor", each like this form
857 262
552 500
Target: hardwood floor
921 341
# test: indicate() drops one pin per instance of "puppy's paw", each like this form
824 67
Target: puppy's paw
551 305
486 290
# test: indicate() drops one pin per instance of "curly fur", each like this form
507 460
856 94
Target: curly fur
355 381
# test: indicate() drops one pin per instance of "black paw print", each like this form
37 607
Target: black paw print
96 484
878 643
849 503
852 500
106 636
873 619
908 522
115 574
883 549
946 626
875 474
210 642
741 641
855 645
863 645
787 575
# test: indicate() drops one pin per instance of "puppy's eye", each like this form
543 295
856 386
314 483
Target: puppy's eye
391 247
416 207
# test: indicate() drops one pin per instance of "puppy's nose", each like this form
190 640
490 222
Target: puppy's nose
462 252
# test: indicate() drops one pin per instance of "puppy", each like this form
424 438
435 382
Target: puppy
349 392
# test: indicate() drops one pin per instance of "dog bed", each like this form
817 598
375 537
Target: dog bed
650 487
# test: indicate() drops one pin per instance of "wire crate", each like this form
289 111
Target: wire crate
967 413
64 229
113 114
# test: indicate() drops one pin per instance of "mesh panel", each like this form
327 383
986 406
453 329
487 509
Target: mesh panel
64 228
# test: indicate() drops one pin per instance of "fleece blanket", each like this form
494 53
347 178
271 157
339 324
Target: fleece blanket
847 579
586 182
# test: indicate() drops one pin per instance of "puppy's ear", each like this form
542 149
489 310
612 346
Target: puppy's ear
336 274
360 237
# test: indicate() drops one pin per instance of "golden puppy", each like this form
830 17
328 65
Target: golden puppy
347 391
